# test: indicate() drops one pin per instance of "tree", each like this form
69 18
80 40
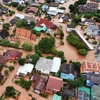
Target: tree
35 58
82 52
20 8
6 26
21 61
21 23
6 72
14 4
46 44
27 47
11 68
35 32
5 42
10 91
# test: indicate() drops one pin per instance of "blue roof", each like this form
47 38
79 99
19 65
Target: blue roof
67 76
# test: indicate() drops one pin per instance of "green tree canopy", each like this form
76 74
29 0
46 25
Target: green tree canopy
46 44
35 58
6 26
21 23
27 46
6 72
21 61
82 52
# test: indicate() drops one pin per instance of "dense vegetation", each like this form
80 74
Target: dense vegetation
75 41
46 44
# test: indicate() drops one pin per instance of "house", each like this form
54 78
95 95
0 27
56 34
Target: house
39 82
25 34
53 4
31 9
56 97
42 28
67 71
4 34
70 27
87 21
89 7
21 16
84 93
52 11
13 21
13 54
67 92
6 1
88 66
34 4
3 59
51 86
47 23
4 10
95 92
92 30
92 79
44 65
30 19
95 1
44 7
25 69
89 46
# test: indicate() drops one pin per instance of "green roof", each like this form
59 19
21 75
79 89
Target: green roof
39 29
56 97
86 89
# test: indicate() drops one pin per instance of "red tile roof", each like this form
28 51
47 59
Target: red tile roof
48 23
23 33
54 84
13 54
90 67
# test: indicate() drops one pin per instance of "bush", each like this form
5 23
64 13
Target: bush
82 52
6 72
21 61
60 53
25 84
11 68
20 8
15 45
49 57
5 42
81 45
14 4
27 47
63 8
55 52
94 42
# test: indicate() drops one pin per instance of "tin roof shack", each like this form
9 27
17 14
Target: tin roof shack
39 82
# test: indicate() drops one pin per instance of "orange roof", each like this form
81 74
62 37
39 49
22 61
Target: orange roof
28 35
23 33
88 66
